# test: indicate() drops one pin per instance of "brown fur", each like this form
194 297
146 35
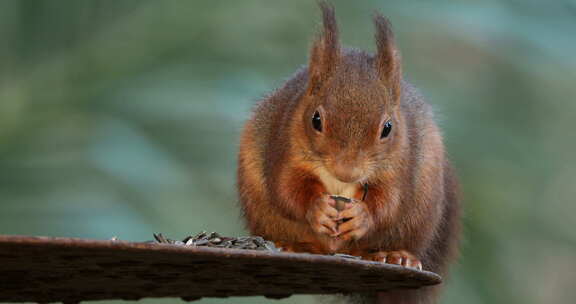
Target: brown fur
412 199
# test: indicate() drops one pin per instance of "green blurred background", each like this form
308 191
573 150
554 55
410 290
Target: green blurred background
122 118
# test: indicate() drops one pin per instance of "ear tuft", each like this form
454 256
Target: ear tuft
330 33
388 62
325 50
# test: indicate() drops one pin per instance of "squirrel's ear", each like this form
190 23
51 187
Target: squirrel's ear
325 50
388 62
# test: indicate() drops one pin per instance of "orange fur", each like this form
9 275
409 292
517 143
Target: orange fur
412 201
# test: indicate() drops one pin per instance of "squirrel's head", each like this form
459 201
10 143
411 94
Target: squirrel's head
349 112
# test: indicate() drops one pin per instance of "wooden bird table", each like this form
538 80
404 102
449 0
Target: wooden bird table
45 269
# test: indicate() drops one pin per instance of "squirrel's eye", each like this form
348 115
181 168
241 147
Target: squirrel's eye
317 121
386 129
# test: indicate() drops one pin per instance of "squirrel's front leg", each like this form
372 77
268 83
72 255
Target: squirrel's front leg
322 216
302 198
357 221
321 220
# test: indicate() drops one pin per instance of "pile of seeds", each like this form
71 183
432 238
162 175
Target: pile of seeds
214 239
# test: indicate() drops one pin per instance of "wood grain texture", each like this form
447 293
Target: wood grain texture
43 269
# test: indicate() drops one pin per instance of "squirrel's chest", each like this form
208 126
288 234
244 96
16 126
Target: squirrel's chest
335 187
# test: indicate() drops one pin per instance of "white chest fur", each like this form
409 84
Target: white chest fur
334 186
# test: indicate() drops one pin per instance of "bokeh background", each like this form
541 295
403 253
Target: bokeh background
122 118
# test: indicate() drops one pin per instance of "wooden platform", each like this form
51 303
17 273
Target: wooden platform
41 269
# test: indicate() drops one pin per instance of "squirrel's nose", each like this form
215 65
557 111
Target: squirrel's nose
347 172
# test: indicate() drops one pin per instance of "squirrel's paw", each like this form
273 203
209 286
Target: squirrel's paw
357 221
401 257
322 216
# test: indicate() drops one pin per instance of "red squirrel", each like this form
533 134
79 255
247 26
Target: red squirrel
348 124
